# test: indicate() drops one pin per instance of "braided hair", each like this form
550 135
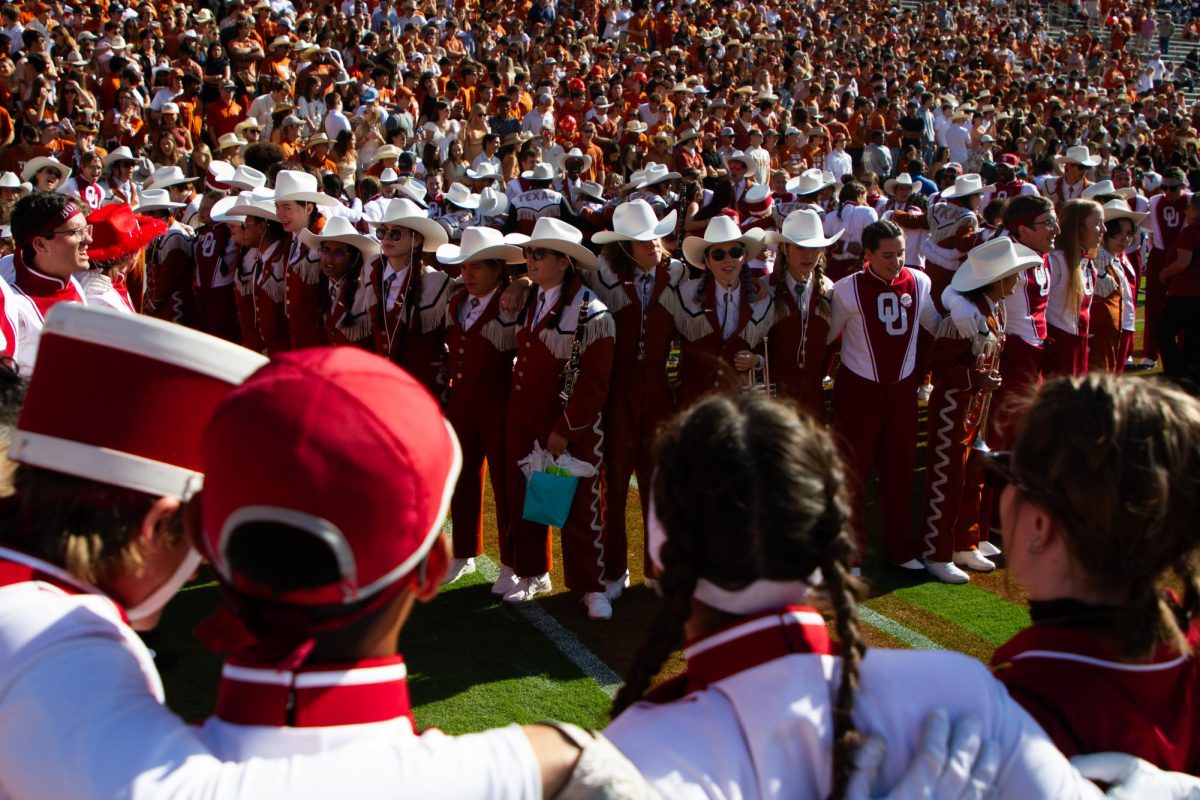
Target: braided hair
773 476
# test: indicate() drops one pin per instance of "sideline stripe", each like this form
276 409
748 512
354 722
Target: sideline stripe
897 631
588 662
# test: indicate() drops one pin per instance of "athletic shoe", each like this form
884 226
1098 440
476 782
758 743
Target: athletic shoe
826 382
614 588
598 605
529 588
912 565
458 568
988 550
946 572
924 392
973 560
505 583
1148 363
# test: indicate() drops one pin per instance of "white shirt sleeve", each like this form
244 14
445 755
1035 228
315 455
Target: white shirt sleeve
930 318
840 312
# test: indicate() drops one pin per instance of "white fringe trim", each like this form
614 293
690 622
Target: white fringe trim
757 328
599 326
432 313
308 270
273 283
501 334
692 327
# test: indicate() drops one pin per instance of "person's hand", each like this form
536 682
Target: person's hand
1168 272
744 361
512 298
951 762
989 382
556 445
1129 777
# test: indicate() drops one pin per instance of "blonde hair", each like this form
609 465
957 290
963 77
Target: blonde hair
1072 217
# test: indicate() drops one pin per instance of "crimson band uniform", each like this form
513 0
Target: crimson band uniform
798 342
952 234
1006 191
481 365
410 320
1089 699
170 293
851 220
535 410
639 395
245 285
1108 313
303 285
875 390
217 257
34 293
953 474
351 309
1066 328
270 298
93 195
1024 354
1165 222
702 314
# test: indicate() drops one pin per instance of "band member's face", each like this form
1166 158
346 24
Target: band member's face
1092 231
293 215
480 277
1120 179
902 192
48 179
801 261
336 259
1072 172
397 242
1008 285
1041 233
888 260
238 234
647 253
725 261
546 267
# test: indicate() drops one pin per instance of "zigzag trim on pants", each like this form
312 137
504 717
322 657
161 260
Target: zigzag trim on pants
598 497
938 470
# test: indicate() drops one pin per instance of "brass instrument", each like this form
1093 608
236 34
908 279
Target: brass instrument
980 403
765 387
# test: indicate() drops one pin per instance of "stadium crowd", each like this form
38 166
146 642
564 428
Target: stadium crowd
578 227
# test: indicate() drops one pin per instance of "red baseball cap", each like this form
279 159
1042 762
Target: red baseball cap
1010 160
160 384
338 444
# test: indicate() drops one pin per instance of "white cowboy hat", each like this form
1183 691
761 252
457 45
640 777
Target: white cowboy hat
1106 187
461 196
292 185
340 229
967 185
256 203
404 213
478 244
413 191
636 126
486 173
540 172
227 141
9 180
1078 155
156 200
492 203
721 230
635 221
656 173
591 189
554 234
903 179
220 211
992 261
810 181
35 165
803 228
122 153
574 152
747 161
164 177
218 176
1119 209
389 175
386 151
247 178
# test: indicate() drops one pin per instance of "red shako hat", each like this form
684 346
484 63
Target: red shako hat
162 380
117 232
339 444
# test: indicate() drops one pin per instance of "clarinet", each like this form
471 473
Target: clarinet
686 193
571 371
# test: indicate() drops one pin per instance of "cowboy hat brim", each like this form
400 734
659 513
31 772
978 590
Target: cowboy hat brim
694 246
1136 217
168 183
576 252
454 254
664 227
651 180
965 280
364 244
1064 160
434 234
565 157
35 165
950 194
776 238
889 186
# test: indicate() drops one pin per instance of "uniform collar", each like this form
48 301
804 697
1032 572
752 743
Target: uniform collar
755 640
38 283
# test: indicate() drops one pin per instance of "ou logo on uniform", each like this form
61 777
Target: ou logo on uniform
209 245
1170 217
892 314
1041 275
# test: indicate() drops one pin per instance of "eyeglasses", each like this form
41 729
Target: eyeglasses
84 232
719 253
393 234
537 253
1051 223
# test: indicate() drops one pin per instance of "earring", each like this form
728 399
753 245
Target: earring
1034 547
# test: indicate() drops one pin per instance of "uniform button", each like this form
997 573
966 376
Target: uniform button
528 344
518 387
459 376
520 374
461 351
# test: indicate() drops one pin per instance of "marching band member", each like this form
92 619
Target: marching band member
966 371
878 312
45 173
119 242
1122 178
298 202
1008 185
1113 312
797 345
462 211
410 297
217 255
1167 211
170 291
906 208
120 186
538 201
719 317
344 253
482 340
564 347
265 240
245 270
180 190
1075 163
635 271
849 219
1072 282
953 231
85 185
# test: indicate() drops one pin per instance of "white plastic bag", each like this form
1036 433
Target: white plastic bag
539 459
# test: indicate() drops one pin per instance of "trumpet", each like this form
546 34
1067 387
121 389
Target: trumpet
753 385
975 418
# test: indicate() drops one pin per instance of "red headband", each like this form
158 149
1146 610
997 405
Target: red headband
1027 220
68 211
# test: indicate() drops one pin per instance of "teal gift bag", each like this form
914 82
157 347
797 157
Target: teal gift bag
548 498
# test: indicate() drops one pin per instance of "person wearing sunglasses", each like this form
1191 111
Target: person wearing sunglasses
560 382
721 316
1168 211
1099 501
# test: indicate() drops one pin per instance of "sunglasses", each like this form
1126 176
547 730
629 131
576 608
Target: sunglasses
393 234
537 253
719 253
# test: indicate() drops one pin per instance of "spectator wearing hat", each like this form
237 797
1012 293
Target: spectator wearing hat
120 239
170 272
481 339
1112 323
261 280
223 115
45 173
120 186
411 298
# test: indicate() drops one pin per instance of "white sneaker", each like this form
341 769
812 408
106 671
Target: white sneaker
505 583
1148 362
924 392
826 382
912 564
946 572
529 588
614 588
598 605
987 549
458 568
973 560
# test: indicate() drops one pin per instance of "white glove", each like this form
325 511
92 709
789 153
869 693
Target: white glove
951 762
966 316
1131 778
